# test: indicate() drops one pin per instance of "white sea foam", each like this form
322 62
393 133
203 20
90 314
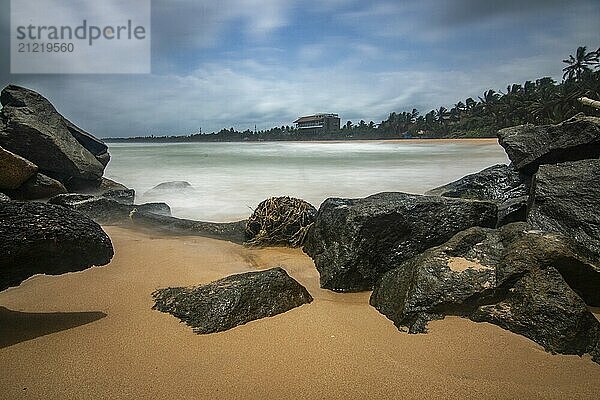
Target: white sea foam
230 179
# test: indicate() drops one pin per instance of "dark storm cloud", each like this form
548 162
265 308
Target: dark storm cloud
381 56
464 11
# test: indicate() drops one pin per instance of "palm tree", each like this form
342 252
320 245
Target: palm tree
580 64
442 114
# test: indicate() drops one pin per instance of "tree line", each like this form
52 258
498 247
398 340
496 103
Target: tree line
543 101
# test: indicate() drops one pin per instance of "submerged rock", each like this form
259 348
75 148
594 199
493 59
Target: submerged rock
500 183
38 238
519 279
231 231
171 186
32 128
162 209
354 241
14 170
107 210
280 221
530 146
232 301
566 199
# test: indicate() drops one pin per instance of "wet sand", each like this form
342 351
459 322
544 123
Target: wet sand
101 340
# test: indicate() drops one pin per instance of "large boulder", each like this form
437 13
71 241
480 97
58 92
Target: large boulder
530 146
39 186
520 279
542 307
232 301
500 183
38 238
566 199
14 170
280 221
32 128
442 280
354 241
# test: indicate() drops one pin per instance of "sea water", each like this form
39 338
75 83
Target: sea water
230 179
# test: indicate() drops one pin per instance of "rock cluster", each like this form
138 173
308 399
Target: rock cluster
515 245
31 128
526 281
42 156
354 241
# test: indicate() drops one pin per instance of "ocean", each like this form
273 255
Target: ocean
230 179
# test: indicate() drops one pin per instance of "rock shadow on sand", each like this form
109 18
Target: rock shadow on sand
17 326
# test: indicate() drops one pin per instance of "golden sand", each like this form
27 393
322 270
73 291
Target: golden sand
103 341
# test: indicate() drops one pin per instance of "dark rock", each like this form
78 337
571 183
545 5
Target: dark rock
101 210
542 307
566 199
232 301
125 196
39 186
38 238
448 279
154 208
4 197
280 221
69 199
92 144
481 270
101 186
500 183
32 128
153 216
354 241
231 231
108 184
530 146
14 170
513 210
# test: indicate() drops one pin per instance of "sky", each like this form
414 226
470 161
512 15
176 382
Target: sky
241 63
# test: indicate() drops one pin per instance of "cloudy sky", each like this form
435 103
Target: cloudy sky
240 63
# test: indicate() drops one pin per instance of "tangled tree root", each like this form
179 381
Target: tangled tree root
280 221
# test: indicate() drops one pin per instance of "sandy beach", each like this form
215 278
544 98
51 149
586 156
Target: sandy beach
99 339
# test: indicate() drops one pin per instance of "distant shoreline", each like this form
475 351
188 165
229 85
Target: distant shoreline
395 140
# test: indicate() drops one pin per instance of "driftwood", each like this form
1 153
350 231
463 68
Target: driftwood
280 221
589 102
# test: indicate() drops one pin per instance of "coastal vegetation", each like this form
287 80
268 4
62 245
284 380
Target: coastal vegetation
540 101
